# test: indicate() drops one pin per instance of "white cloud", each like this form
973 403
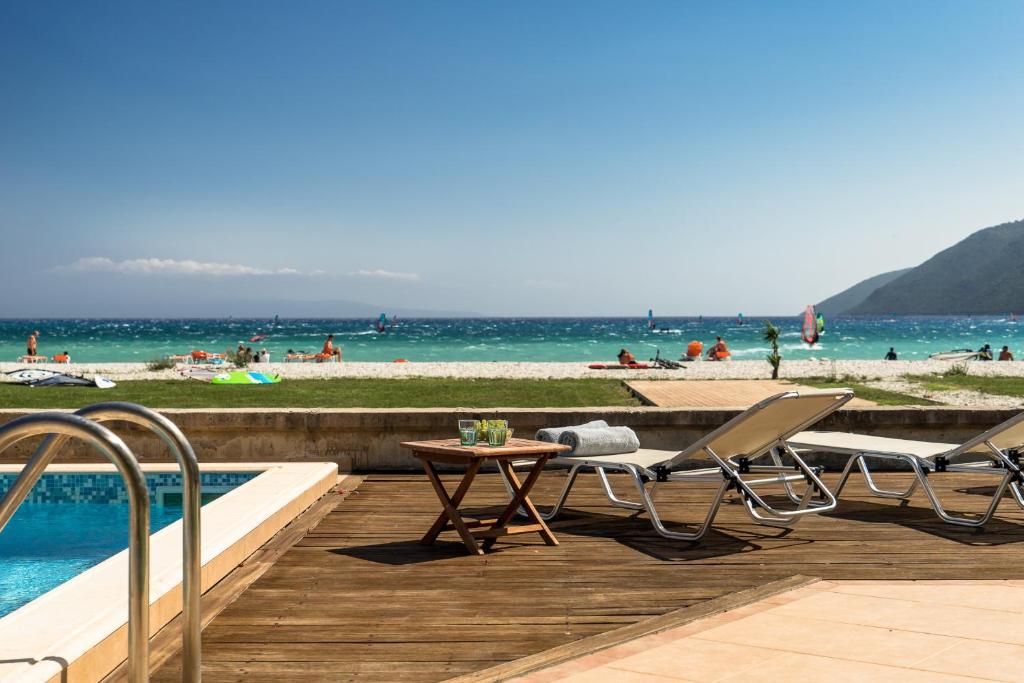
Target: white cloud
156 266
385 274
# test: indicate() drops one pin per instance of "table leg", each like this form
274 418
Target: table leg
451 505
521 497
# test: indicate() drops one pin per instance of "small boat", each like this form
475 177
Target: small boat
955 355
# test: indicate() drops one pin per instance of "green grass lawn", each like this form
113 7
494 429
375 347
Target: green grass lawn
334 393
1002 386
879 396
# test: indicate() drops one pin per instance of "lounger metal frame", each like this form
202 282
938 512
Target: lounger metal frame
731 473
998 462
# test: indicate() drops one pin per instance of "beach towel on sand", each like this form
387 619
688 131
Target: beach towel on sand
551 434
599 441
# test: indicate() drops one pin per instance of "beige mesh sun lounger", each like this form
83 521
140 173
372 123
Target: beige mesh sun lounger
757 434
993 453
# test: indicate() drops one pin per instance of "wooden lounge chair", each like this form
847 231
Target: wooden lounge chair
33 359
738 450
995 453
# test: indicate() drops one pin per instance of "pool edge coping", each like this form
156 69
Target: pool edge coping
234 526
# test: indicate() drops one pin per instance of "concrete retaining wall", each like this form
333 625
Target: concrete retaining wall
366 440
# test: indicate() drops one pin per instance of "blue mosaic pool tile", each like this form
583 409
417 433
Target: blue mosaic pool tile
102 487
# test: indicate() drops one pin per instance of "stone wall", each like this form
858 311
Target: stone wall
368 440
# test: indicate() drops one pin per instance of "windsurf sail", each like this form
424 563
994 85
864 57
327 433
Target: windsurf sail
49 378
261 337
30 375
650 318
382 323
821 323
230 376
809 331
245 377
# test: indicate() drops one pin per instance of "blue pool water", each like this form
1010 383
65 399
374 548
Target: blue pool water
72 522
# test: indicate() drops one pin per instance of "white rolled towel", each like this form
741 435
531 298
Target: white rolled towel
599 441
551 434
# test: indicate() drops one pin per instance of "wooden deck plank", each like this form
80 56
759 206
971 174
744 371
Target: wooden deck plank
716 393
358 598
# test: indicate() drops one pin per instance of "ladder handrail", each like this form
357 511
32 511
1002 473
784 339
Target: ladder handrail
115 450
191 552
181 449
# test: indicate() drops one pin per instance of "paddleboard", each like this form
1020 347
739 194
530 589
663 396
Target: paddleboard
957 354
619 366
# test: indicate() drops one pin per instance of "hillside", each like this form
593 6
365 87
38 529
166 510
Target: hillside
844 301
978 275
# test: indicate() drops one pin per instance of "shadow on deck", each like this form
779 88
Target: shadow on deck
357 598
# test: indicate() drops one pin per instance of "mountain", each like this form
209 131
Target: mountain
844 301
978 275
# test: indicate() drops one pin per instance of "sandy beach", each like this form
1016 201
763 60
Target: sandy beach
859 369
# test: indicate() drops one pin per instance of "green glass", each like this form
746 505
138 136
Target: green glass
496 436
467 436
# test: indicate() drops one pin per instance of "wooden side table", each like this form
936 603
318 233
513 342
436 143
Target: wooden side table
449 452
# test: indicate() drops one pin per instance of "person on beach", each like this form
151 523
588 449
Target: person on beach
264 356
891 355
985 353
63 358
1005 354
718 350
625 357
329 350
33 340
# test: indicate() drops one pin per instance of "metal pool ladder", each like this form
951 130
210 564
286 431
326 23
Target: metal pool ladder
84 425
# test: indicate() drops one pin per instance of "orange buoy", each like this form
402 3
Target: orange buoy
694 349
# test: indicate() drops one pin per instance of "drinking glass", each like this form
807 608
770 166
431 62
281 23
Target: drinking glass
467 432
496 436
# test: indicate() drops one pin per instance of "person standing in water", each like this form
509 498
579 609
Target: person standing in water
33 341
330 350
891 355
1005 354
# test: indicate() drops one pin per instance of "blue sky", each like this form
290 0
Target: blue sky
512 159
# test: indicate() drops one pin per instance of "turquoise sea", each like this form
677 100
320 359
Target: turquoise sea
506 339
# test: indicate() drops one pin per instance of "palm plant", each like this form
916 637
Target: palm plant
771 335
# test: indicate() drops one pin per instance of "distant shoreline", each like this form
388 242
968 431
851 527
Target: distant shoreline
738 369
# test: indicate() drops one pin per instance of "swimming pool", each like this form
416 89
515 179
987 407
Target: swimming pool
71 522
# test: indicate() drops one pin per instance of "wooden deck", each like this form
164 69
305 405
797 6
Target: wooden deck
358 598
716 393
